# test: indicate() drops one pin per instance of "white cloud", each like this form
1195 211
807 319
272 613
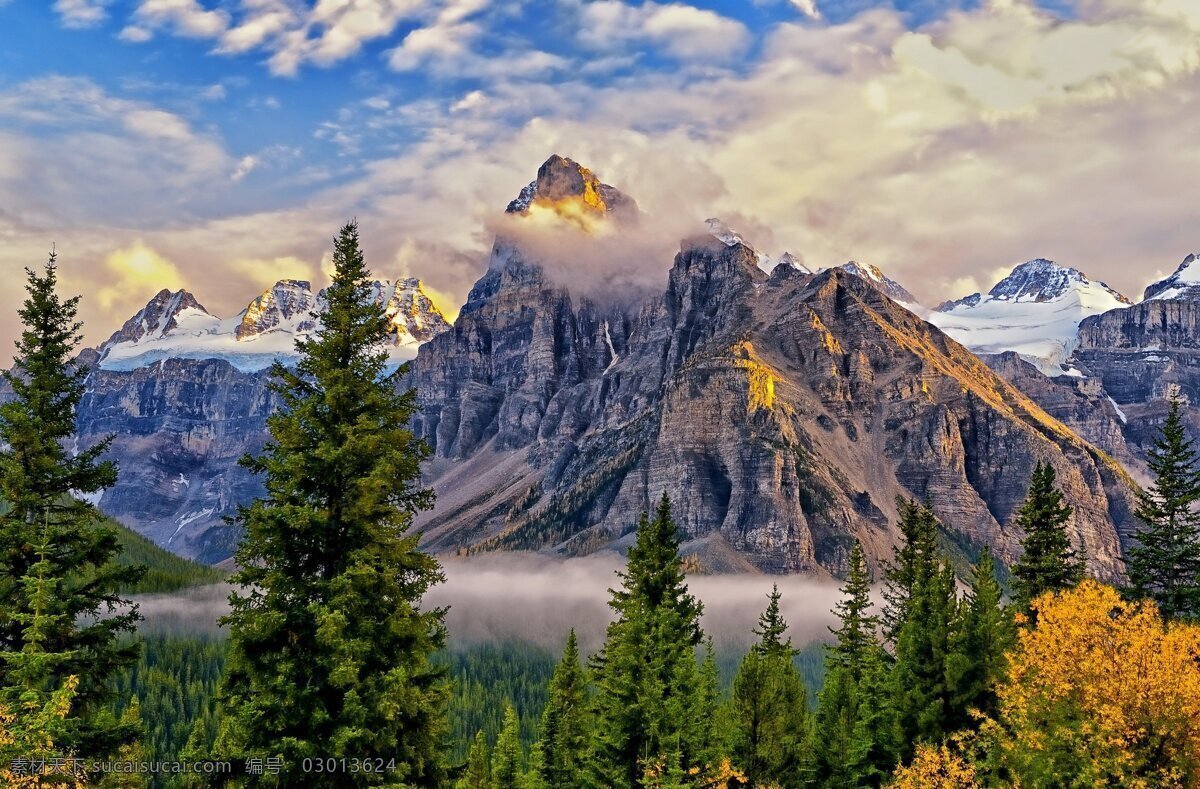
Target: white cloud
81 13
135 35
186 18
807 7
684 31
245 166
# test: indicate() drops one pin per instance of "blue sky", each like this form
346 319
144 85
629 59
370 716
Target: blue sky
217 144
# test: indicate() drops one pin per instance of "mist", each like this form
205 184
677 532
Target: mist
611 259
536 599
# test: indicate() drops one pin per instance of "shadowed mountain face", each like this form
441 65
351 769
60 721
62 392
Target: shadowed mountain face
782 413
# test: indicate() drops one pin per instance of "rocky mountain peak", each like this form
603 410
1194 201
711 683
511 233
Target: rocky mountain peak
788 259
282 303
411 313
873 274
966 301
1041 280
565 186
1183 284
160 315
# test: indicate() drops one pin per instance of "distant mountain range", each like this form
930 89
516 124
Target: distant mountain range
783 409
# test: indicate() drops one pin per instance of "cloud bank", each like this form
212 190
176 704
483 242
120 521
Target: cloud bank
531 598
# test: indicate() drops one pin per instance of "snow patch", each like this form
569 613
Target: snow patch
1120 413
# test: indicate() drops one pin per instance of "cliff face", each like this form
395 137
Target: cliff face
179 428
1143 355
783 414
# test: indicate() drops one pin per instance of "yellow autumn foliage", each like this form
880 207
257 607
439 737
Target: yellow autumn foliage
1101 692
936 767
25 735
1102 688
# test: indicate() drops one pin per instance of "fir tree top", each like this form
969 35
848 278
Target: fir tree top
1048 563
772 627
857 632
1164 564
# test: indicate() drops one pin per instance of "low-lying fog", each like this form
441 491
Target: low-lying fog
533 598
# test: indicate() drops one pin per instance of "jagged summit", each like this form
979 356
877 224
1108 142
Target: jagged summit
1035 311
286 302
176 326
162 314
1183 284
563 183
788 259
1044 280
891 288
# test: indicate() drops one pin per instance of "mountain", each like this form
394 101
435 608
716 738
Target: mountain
1183 284
184 393
1035 311
1147 353
890 288
176 326
561 182
783 413
783 410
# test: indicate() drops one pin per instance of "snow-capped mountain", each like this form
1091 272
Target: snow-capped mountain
174 325
890 287
1183 284
1035 311
284 305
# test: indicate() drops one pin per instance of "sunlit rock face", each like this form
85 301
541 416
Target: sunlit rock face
782 412
287 301
571 190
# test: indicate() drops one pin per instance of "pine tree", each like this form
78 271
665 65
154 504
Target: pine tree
646 706
709 733
1047 563
850 748
563 734
768 708
329 649
1165 563
478 773
47 525
910 563
506 758
919 697
976 664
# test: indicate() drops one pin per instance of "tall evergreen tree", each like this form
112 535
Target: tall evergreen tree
506 758
919 692
648 709
47 525
768 708
976 665
477 773
1047 563
329 648
1165 563
563 734
850 746
910 563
